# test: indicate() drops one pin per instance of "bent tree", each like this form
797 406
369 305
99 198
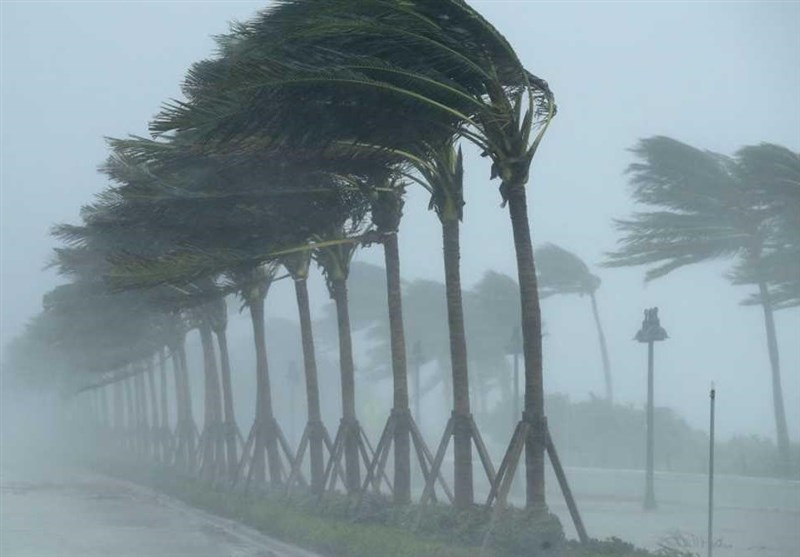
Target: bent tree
704 206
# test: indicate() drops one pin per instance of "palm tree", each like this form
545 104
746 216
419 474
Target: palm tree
387 211
444 179
185 428
314 435
212 437
335 264
213 230
707 206
437 65
92 332
493 333
386 206
775 173
247 229
218 320
563 272
254 284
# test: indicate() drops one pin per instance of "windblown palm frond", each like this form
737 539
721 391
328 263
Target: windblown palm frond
562 272
703 209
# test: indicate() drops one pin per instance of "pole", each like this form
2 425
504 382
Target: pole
292 392
712 395
417 363
649 496
516 415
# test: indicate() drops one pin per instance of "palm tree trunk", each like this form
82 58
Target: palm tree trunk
140 398
155 425
162 369
316 440
402 446
533 409
180 455
601 338
119 409
347 370
462 435
151 386
130 419
104 413
180 402
777 390
164 433
188 427
212 408
266 439
227 395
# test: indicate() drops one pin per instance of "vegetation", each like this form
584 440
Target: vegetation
337 527
294 146
704 205
563 272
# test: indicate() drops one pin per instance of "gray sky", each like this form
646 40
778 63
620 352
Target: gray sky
716 75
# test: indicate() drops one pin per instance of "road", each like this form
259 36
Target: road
49 509
754 517
74 514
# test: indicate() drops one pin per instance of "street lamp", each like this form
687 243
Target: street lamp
650 333
514 348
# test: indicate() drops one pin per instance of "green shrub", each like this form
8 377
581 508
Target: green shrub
337 526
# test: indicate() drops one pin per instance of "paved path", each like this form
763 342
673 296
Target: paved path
81 515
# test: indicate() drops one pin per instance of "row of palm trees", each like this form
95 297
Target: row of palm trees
295 144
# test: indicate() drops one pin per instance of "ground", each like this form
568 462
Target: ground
754 517
65 513
77 514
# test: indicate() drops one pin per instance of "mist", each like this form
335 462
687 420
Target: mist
713 76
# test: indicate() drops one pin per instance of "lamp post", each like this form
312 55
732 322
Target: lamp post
712 397
650 333
416 357
514 348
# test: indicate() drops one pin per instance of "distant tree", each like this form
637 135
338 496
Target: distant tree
562 272
492 311
708 206
774 172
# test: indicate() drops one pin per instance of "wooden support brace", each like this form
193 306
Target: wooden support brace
421 446
482 452
382 448
368 455
333 461
562 481
287 453
329 445
503 465
514 452
436 466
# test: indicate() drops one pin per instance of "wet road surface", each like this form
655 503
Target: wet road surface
82 515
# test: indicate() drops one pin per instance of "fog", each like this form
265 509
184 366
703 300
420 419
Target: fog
714 75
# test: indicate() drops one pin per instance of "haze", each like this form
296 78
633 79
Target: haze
715 75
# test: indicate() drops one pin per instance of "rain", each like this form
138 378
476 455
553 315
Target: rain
403 278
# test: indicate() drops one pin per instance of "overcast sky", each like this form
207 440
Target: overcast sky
716 75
